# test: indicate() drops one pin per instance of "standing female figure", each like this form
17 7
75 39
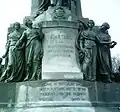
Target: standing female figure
15 66
33 39
88 47
104 44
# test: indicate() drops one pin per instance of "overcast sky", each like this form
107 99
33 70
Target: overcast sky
98 10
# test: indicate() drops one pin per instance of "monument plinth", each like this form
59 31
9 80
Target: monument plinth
60 27
59 95
53 94
59 60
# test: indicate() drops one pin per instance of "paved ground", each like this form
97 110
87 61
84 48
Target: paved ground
98 109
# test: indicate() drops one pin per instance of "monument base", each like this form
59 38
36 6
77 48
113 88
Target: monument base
62 109
59 96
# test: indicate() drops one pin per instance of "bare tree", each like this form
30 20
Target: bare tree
116 63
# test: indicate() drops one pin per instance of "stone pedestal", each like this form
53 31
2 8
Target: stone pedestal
59 96
60 60
55 95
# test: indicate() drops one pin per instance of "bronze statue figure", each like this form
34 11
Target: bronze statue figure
104 44
33 39
81 54
88 47
43 6
65 3
15 65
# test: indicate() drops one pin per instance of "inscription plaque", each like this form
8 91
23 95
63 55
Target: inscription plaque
59 60
58 91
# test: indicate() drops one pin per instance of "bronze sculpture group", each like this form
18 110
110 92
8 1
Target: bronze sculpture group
24 51
94 45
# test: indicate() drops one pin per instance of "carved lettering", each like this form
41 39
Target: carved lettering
57 46
69 90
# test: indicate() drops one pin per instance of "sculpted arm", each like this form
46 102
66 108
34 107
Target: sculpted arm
77 41
7 50
22 39
113 44
82 39
110 43
103 42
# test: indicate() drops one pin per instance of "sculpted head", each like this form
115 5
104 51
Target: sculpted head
28 21
91 24
105 26
82 25
16 25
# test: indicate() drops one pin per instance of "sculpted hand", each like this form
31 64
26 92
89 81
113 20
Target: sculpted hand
3 56
113 44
